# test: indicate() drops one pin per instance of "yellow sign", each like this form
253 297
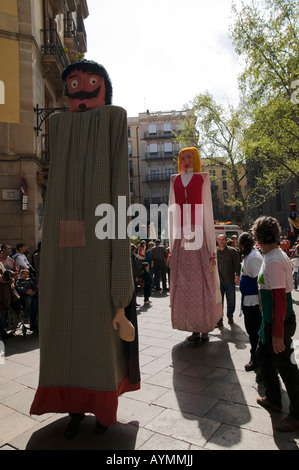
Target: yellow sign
9 81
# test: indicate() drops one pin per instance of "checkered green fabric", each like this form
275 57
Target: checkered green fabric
81 287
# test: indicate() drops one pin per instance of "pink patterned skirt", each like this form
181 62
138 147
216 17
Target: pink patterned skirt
194 290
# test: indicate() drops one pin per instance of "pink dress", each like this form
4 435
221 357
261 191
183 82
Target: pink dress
195 298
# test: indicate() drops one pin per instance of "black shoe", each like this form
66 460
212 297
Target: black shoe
250 366
99 428
73 426
220 323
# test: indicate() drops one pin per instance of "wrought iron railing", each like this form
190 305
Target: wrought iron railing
70 31
51 45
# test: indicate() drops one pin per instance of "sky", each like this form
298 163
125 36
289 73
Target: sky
160 54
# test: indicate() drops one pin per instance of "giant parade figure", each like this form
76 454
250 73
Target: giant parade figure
87 320
195 297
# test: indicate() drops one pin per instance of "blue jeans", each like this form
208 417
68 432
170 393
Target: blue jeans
230 293
30 306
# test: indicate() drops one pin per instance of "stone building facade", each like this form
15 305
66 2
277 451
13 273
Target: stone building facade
38 38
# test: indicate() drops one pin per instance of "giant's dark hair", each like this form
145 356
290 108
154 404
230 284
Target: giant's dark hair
90 66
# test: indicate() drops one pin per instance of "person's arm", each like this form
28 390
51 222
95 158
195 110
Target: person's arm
279 314
236 265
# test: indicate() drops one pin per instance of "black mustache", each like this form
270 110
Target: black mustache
84 95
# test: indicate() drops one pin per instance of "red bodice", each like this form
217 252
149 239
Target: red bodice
191 194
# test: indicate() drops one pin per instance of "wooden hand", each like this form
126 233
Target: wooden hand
124 326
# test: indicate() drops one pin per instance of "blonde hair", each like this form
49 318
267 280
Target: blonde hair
196 159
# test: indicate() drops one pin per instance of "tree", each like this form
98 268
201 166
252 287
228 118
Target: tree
268 39
215 131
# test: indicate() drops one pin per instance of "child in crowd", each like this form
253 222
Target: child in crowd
148 282
27 289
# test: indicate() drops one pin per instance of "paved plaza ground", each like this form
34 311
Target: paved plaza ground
193 396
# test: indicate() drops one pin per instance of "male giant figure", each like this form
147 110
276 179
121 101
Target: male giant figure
86 287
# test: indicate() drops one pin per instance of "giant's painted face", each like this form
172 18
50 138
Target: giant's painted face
186 160
86 90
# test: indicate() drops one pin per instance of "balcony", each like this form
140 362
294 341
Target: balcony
58 6
159 135
160 156
158 178
54 59
71 39
72 5
155 200
82 34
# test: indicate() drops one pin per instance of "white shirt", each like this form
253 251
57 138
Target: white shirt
251 265
276 271
21 261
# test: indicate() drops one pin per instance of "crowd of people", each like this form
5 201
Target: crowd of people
246 262
151 267
19 284
264 265
151 263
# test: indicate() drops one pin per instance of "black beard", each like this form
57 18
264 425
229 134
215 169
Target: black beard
83 95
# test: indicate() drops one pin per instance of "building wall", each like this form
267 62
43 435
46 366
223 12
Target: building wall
134 160
159 153
29 76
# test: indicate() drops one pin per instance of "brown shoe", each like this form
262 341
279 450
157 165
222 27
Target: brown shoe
288 424
265 403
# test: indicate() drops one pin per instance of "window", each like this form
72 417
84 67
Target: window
154 175
152 129
168 147
168 172
153 148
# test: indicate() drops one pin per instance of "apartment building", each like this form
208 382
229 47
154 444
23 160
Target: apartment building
159 153
134 160
38 39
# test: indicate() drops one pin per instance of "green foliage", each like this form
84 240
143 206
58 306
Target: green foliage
266 35
260 139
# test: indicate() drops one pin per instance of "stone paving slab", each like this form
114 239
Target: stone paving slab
193 396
